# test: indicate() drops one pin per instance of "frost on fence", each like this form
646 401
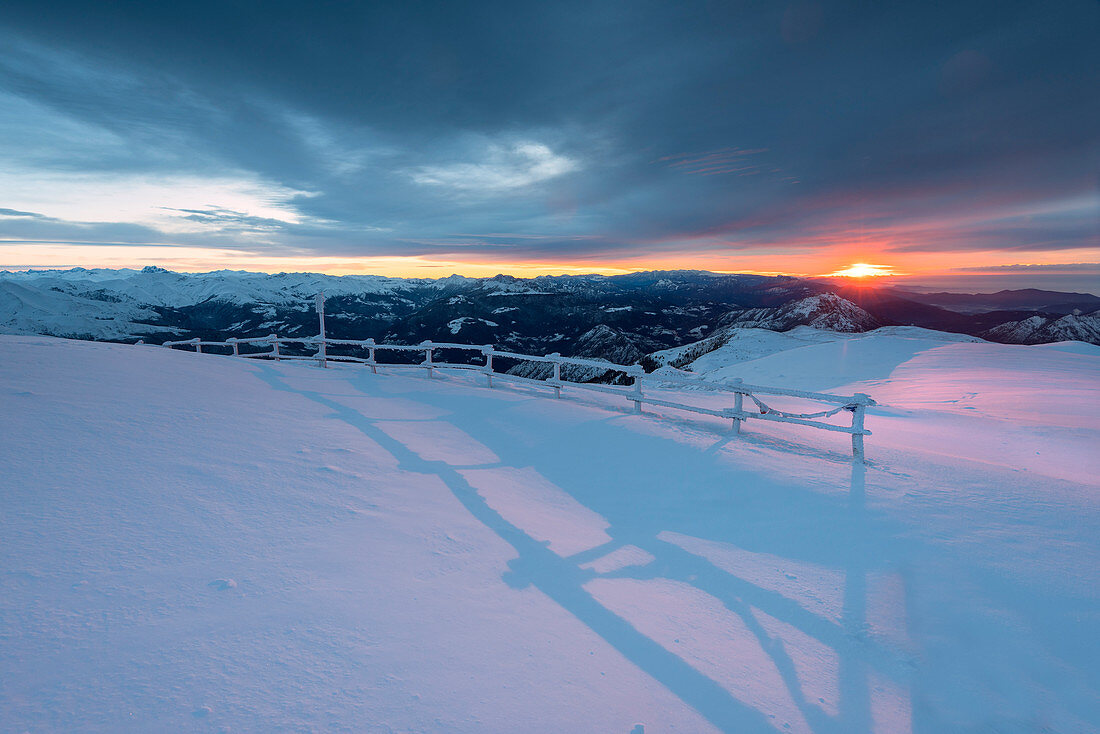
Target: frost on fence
635 391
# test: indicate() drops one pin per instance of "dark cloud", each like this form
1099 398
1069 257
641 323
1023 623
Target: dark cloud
229 219
577 128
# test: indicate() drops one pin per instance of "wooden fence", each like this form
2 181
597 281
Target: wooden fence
640 391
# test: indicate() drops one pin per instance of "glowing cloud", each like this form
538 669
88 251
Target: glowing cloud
163 201
502 169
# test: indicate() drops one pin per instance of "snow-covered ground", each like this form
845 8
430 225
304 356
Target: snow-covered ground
189 542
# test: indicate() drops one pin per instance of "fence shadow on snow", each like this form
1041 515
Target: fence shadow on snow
715 582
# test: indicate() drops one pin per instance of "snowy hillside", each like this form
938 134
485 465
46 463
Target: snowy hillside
34 310
196 543
736 344
825 359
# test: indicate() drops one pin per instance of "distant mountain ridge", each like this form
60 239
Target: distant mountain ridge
622 317
1022 299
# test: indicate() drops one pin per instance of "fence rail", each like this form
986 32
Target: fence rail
636 392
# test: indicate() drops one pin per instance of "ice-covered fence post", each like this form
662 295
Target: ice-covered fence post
232 341
857 426
738 404
198 344
487 350
370 357
557 374
428 357
275 349
321 316
638 373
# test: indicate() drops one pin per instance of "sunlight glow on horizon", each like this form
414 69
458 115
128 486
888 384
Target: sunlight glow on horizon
864 270
25 255
201 259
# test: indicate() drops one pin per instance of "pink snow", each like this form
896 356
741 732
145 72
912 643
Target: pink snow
192 542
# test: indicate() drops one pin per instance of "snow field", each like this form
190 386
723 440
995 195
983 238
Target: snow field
196 543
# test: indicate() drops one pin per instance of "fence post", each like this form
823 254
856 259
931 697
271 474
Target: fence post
370 357
321 316
275 349
198 345
557 374
857 427
236 348
738 404
428 358
487 350
637 398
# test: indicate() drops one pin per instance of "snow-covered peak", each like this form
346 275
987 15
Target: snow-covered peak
1041 329
821 311
159 287
26 309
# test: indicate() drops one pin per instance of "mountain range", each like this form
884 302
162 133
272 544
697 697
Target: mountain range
621 318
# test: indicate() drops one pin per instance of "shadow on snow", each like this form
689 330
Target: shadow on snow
651 490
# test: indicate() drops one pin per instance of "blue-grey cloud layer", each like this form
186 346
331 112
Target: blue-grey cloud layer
570 130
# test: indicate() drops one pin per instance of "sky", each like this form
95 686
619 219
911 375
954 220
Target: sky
935 139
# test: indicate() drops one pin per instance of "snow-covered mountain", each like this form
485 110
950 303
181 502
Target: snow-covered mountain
130 304
604 342
29 308
159 287
822 311
1044 329
651 310
647 312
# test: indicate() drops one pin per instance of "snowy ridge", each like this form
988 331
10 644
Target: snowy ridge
823 311
737 344
652 311
157 286
646 312
718 356
35 310
1040 329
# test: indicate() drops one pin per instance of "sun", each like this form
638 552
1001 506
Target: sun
863 270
